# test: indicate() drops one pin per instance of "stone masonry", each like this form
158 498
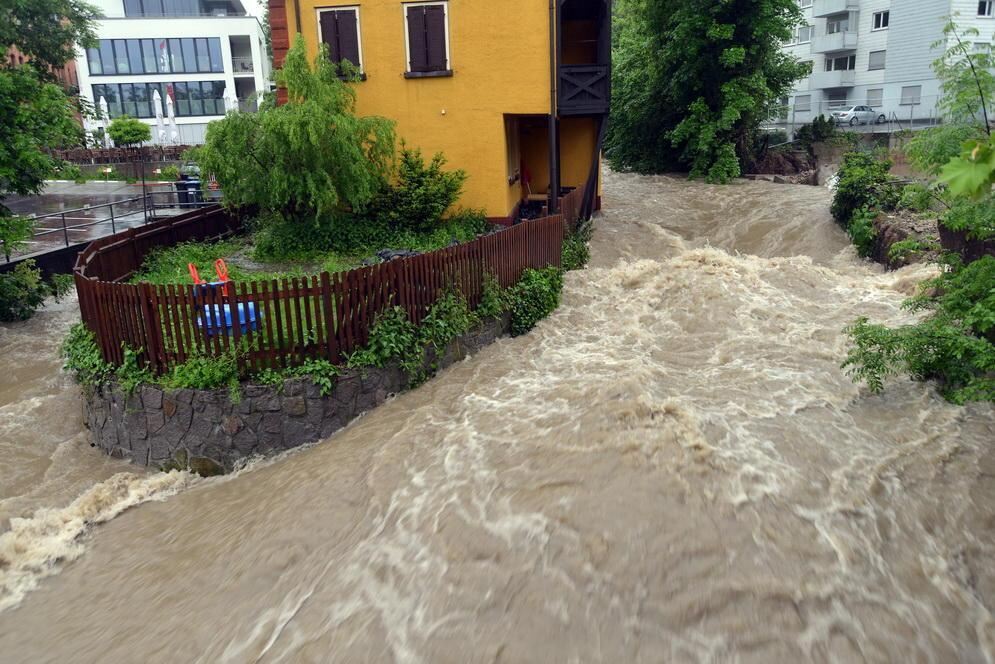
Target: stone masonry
205 431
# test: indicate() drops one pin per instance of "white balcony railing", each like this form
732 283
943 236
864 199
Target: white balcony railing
241 65
839 41
823 8
833 79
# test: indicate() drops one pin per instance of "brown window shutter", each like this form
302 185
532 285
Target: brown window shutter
435 31
329 35
417 40
348 36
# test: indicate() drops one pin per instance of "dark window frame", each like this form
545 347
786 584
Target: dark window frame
119 95
325 39
415 43
175 60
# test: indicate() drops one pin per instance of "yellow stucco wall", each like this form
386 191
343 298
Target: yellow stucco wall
499 53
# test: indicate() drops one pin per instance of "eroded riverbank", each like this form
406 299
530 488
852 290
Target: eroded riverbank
672 467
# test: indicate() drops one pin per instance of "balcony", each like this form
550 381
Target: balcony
241 65
824 8
833 79
583 89
839 41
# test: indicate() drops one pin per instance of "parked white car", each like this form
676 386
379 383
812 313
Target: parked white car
858 115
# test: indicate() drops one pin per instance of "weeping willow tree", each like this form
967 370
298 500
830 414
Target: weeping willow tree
306 158
693 79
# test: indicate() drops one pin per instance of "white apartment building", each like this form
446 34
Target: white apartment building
877 53
190 50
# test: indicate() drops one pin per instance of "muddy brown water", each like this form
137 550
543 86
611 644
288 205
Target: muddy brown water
672 468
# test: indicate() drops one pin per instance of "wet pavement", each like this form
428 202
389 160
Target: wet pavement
69 213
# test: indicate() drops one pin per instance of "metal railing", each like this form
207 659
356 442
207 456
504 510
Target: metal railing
891 114
129 211
242 65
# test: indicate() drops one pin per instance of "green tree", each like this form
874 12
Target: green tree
14 232
312 155
966 76
128 132
35 116
47 31
693 80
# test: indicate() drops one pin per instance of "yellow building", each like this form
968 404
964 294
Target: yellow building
514 92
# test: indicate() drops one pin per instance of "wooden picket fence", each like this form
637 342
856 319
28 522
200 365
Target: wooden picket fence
286 321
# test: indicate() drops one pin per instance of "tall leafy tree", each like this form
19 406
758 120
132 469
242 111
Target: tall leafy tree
47 31
312 155
36 115
693 80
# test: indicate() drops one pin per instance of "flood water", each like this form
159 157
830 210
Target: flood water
671 468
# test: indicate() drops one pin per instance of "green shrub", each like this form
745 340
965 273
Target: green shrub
392 336
863 181
953 344
817 131
277 239
168 265
422 194
62 285
862 232
930 149
170 173
576 253
915 197
494 300
82 357
909 248
975 218
448 318
725 166
22 291
126 131
321 372
201 372
69 171
131 373
533 297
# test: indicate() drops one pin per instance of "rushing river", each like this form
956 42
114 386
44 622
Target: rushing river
672 468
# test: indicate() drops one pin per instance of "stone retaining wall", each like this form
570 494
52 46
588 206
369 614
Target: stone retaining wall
203 430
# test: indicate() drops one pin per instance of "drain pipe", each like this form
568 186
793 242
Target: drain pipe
297 18
553 138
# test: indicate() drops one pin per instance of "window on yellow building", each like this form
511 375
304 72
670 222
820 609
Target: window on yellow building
427 39
339 29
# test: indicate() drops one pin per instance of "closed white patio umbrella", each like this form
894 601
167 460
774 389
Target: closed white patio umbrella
160 125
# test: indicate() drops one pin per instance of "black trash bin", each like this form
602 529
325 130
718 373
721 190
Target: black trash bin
188 192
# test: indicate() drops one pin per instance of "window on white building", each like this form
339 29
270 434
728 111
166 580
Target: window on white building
840 24
880 20
985 8
842 63
837 99
804 3
875 97
803 103
876 60
805 34
911 95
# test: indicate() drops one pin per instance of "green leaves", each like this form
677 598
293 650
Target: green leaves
127 131
81 356
972 173
533 297
310 157
693 78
